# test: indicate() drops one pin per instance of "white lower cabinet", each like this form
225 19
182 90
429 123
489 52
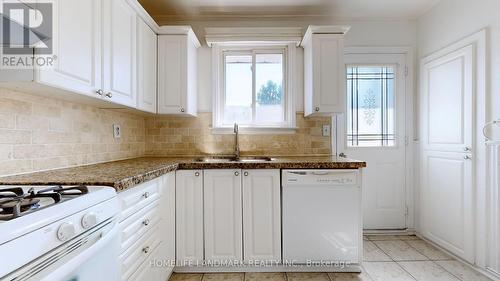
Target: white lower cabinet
147 230
189 216
223 215
227 216
261 215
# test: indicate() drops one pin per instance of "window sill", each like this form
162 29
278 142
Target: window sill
254 131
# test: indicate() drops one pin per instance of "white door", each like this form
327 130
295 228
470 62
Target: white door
119 52
146 67
77 35
189 215
446 138
375 132
223 215
261 215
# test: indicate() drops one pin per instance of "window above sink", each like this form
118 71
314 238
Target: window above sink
253 80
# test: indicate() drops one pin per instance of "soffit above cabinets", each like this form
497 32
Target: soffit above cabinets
164 11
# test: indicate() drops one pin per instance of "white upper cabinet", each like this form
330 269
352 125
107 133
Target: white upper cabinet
147 41
324 70
261 215
177 71
77 47
119 52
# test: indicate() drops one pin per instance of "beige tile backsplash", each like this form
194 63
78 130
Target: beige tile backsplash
172 136
38 133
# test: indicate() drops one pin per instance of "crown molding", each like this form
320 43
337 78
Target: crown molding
214 35
324 29
180 30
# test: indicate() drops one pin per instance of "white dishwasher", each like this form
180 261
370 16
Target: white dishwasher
322 216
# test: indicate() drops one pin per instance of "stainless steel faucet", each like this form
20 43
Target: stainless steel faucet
236 142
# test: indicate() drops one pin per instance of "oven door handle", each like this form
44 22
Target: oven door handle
65 270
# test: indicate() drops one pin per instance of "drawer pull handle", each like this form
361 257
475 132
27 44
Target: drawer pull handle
145 250
146 222
146 194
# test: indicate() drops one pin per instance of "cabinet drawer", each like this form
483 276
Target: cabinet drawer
136 225
139 252
133 200
147 272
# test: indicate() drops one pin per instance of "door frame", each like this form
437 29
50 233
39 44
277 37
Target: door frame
409 79
480 113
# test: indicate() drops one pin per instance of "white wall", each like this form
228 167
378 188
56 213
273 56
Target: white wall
364 33
452 20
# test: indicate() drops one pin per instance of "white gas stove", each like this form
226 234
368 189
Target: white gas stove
58 233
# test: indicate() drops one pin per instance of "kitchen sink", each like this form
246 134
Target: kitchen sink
225 159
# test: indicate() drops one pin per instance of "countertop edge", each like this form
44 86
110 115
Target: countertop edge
125 183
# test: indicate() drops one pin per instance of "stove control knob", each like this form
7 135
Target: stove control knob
66 231
89 220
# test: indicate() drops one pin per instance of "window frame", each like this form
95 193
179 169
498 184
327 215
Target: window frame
219 53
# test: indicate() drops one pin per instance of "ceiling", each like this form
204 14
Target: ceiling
164 10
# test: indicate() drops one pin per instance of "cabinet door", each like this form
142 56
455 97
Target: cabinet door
146 67
172 78
189 215
77 45
119 52
167 223
222 210
324 75
261 215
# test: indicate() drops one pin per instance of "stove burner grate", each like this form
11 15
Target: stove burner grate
15 203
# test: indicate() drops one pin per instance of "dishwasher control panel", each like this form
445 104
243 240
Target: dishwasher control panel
320 177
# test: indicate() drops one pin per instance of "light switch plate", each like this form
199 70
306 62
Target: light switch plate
117 131
326 130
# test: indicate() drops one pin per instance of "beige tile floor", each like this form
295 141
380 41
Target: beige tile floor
386 258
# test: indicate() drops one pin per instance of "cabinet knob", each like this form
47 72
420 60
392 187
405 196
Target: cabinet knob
317 109
467 157
109 95
145 250
99 92
467 148
146 222
182 109
197 174
236 173
246 174
146 194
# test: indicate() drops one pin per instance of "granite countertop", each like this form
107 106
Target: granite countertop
124 174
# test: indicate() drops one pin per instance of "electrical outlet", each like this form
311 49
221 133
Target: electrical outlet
117 131
326 130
